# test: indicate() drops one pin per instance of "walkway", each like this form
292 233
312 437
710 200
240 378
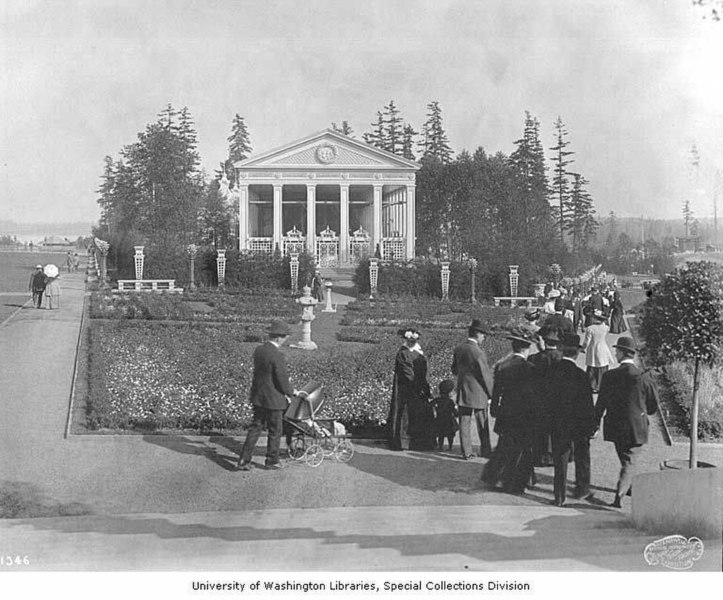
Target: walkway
181 500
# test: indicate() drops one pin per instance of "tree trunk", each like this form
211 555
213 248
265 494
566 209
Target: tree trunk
694 419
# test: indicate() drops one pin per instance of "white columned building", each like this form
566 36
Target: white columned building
331 194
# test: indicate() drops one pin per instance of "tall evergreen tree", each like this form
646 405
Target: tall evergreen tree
687 216
560 180
377 136
408 135
239 147
434 141
393 129
581 222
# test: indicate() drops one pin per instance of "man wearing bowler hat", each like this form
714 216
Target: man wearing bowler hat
474 389
270 389
572 419
627 397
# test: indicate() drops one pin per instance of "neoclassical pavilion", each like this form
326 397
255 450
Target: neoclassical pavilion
330 194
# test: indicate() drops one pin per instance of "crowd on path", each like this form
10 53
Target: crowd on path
541 401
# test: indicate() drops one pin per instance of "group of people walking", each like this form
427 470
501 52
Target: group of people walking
541 401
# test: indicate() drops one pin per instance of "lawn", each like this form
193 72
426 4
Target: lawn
16 267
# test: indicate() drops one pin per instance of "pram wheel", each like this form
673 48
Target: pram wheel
297 448
344 450
314 455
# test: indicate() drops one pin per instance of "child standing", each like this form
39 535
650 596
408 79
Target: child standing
445 410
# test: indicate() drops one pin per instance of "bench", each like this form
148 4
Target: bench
525 300
148 285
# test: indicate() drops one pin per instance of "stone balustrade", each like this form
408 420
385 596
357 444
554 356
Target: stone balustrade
148 285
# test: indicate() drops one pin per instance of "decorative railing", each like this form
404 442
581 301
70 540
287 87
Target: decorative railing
261 245
327 248
394 248
359 245
294 242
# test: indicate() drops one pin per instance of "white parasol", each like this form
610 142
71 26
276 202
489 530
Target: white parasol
51 270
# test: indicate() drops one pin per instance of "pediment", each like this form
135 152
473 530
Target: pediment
327 150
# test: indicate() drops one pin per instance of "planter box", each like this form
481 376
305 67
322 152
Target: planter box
687 502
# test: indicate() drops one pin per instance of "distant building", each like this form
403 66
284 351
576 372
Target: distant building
55 242
688 243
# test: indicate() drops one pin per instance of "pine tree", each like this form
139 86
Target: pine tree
377 137
687 216
408 134
581 222
393 129
560 180
434 138
344 128
239 146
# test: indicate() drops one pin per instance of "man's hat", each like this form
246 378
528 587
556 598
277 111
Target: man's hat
478 325
446 386
627 344
549 334
571 340
38 266
278 327
519 335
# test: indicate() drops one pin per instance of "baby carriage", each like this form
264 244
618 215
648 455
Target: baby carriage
310 439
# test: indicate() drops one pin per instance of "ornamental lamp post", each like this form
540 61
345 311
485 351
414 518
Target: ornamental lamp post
139 259
103 248
192 250
294 268
373 276
473 269
221 267
445 280
514 280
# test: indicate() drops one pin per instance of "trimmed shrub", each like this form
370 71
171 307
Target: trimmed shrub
679 377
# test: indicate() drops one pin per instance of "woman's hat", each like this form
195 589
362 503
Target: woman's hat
409 333
279 327
554 293
532 314
478 325
627 344
598 314
520 335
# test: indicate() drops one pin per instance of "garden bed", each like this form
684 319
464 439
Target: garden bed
147 376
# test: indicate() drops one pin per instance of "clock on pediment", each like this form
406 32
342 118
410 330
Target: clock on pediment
326 153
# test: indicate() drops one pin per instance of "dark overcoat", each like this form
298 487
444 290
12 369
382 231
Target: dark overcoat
474 376
570 403
627 396
270 384
515 401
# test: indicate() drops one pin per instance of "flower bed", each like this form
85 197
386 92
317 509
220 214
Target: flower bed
678 378
197 376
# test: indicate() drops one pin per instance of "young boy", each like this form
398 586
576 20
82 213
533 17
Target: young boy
445 410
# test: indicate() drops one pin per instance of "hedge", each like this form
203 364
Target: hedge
679 378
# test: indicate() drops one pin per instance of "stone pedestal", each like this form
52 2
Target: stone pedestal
307 316
329 307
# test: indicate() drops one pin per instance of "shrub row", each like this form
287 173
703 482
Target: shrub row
197 376
422 278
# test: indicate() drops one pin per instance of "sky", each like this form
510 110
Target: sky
636 82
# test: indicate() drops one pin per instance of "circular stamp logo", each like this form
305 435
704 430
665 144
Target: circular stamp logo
674 551
326 153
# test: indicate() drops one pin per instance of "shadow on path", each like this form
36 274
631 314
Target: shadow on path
185 445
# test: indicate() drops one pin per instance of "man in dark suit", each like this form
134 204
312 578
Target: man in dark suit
474 390
270 389
515 407
627 396
572 418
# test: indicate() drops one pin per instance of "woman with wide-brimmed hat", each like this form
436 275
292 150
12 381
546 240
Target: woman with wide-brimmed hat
410 414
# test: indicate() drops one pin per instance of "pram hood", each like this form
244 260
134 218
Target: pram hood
307 404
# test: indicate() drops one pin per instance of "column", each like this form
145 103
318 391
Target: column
411 229
311 219
344 220
243 217
377 230
278 221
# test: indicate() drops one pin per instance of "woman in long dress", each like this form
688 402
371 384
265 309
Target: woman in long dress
408 389
617 321
52 293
